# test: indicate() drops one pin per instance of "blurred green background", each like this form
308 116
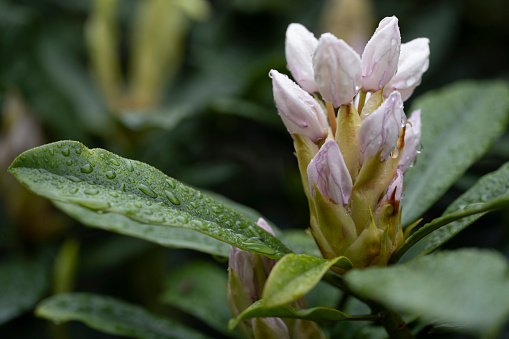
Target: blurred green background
183 85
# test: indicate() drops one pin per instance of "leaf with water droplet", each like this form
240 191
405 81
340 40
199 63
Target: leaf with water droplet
456 133
172 198
138 192
111 175
87 168
490 193
294 275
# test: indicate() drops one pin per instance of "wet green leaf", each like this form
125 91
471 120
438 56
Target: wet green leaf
295 275
105 183
171 237
467 288
459 123
490 193
259 309
112 316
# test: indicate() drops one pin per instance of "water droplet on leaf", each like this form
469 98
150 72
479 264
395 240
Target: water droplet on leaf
171 183
147 190
73 178
111 175
172 198
87 168
93 204
181 219
91 191
114 162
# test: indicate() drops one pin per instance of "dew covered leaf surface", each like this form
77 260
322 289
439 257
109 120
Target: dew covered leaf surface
491 192
171 237
100 181
467 288
294 275
113 316
459 124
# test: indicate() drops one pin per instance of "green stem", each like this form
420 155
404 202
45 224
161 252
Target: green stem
389 319
394 324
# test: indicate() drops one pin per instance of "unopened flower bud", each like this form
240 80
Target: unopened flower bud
380 57
299 111
252 268
413 62
380 130
337 70
299 47
328 172
411 142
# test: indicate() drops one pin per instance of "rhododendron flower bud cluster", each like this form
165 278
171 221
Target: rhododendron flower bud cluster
352 138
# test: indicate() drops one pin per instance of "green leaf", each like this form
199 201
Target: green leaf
294 275
199 289
490 193
112 316
259 309
171 237
466 287
459 123
68 172
23 283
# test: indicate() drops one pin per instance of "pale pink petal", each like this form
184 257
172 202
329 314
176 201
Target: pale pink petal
328 172
380 130
380 57
299 47
413 62
337 70
299 111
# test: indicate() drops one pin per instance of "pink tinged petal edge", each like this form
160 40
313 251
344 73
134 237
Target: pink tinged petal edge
395 187
413 62
299 47
412 141
337 69
328 171
299 111
380 57
381 128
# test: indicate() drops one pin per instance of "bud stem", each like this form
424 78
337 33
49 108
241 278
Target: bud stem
362 99
332 117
